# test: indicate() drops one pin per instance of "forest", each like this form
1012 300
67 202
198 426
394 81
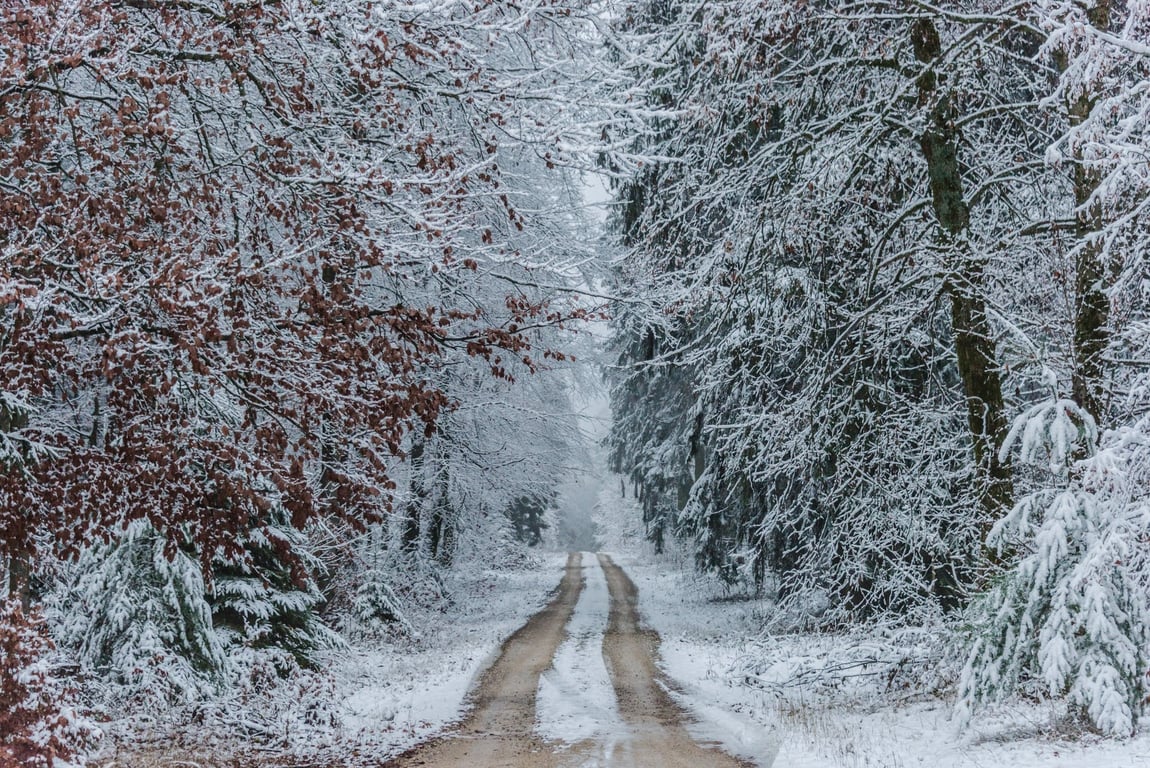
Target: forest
302 301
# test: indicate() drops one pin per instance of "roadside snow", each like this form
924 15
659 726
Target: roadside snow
923 734
710 640
368 702
394 696
576 700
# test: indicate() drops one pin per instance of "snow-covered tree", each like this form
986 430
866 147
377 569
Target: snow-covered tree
278 220
1071 616
251 255
39 723
1070 613
528 517
269 603
1103 63
842 192
137 616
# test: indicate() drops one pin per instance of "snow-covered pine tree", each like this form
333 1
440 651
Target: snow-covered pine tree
526 514
137 616
268 600
375 609
1071 616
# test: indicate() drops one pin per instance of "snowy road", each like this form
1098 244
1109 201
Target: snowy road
576 687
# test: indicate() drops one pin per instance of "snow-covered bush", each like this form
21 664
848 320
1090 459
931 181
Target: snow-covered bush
39 727
1070 613
375 608
861 667
138 618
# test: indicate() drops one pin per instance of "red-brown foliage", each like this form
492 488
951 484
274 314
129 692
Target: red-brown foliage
35 727
229 258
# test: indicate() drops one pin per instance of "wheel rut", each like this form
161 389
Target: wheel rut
499 732
657 725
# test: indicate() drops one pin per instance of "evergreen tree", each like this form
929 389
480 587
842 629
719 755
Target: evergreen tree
137 615
791 394
526 514
1071 615
269 602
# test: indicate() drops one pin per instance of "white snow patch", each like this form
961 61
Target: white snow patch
718 710
576 699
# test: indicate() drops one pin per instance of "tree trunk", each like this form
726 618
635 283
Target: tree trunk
698 452
412 522
440 539
17 562
1092 277
973 339
18 583
446 553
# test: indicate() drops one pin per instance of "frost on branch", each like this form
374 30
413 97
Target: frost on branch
38 725
1069 617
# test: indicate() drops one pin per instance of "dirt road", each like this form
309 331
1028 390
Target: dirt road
499 732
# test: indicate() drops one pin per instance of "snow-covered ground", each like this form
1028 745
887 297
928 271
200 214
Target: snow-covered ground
711 642
375 699
397 695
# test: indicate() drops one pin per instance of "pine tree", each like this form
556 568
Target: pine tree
1071 615
527 514
792 396
137 615
375 609
268 600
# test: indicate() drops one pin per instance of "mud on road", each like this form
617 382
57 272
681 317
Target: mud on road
499 731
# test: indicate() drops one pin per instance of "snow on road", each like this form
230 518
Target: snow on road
576 699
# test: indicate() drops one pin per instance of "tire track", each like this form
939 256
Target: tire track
659 737
498 733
